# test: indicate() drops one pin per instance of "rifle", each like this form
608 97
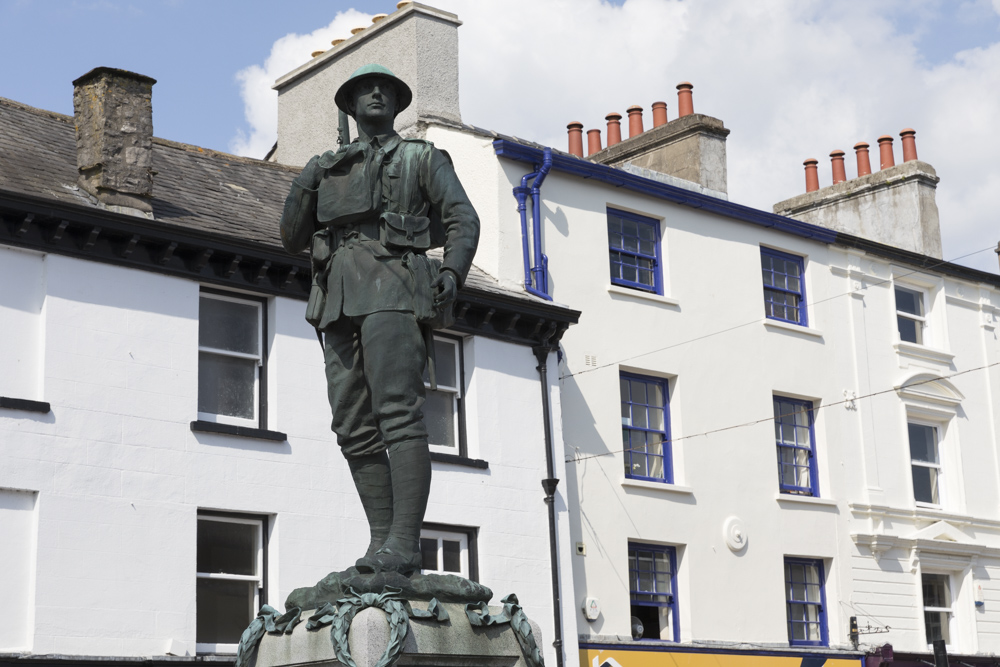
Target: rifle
344 131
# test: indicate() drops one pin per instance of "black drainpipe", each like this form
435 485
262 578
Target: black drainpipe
542 355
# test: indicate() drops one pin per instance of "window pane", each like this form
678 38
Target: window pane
925 484
937 623
227 325
923 442
910 331
447 369
909 301
226 385
936 590
451 554
439 416
227 548
428 553
224 610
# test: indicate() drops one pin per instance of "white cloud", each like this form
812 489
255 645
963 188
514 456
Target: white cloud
291 51
792 79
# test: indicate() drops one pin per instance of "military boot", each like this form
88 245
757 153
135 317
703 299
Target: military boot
411 484
374 484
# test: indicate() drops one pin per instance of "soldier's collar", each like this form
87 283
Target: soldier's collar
387 141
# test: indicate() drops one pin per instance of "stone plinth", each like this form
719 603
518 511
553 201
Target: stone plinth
428 642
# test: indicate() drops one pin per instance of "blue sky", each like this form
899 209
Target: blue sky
791 78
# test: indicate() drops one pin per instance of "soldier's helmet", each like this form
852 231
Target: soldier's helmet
403 93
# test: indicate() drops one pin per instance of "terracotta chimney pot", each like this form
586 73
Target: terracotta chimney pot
685 105
885 157
614 128
812 175
593 141
837 163
575 138
659 114
634 120
909 144
864 163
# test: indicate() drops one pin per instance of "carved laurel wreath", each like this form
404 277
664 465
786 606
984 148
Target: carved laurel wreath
349 608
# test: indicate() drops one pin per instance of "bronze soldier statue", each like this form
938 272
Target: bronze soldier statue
368 213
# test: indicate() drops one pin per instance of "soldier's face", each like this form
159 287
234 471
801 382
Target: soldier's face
374 99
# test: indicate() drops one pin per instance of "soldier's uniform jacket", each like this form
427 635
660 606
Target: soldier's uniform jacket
368 212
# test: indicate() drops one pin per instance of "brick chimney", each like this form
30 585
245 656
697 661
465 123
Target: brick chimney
691 147
113 110
895 205
418 43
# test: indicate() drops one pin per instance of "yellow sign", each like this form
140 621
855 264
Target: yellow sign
668 658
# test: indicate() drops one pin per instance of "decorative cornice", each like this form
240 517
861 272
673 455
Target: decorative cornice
138 243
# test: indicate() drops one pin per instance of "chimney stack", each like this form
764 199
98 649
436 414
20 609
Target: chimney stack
575 131
113 111
685 105
614 128
864 163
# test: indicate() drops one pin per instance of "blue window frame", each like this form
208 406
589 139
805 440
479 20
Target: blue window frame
646 428
796 441
634 246
805 602
652 571
784 287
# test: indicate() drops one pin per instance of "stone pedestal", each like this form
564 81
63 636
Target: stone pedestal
454 642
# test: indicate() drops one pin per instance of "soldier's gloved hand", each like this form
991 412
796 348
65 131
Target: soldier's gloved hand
311 174
445 288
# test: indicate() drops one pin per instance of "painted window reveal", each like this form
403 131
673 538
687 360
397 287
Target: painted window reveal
231 370
796 442
925 463
910 316
634 248
652 573
646 428
444 552
937 607
230 580
784 287
805 602
443 408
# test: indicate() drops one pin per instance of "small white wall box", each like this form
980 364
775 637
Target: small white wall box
591 608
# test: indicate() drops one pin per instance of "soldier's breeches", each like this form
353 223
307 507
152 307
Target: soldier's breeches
374 373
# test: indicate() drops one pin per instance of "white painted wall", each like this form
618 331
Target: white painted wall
22 274
119 475
18 526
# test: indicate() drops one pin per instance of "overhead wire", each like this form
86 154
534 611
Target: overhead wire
758 320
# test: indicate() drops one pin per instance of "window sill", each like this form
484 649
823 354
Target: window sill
923 352
645 296
24 405
805 500
788 326
200 426
439 457
657 486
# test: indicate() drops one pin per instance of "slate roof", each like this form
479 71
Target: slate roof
194 189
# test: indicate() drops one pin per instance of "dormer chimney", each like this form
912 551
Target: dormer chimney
113 110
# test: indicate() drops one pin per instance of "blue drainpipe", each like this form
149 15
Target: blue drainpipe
536 278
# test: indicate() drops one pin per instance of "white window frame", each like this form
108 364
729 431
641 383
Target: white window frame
921 320
941 480
457 393
203 647
255 422
462 537
950 610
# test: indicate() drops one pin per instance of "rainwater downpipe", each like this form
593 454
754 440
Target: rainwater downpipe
535 276
549 484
